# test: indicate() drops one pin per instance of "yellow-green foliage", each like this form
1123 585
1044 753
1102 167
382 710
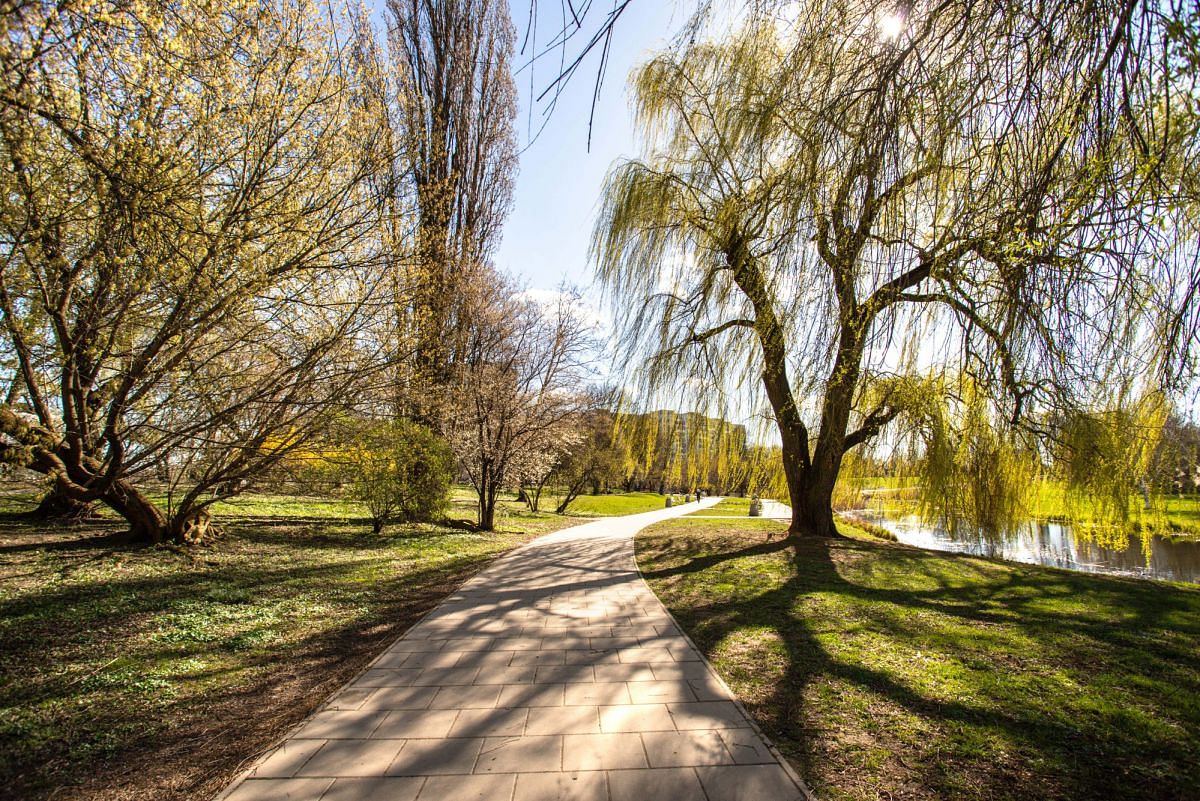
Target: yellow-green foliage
1104 458
973 470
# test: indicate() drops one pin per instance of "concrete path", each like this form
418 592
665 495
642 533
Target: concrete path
553 674
774 510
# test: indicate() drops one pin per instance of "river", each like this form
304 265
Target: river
1056 545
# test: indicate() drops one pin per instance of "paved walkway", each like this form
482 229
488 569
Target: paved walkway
553 674
774 510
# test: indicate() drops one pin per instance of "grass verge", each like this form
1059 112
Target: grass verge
625 503
726 506
156 673
884 671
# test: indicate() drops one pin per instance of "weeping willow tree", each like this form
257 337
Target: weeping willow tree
974 471
835 202
682 452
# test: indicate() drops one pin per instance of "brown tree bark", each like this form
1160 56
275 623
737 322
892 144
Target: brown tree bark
56 506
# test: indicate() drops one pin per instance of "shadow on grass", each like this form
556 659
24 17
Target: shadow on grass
149 671
1023 635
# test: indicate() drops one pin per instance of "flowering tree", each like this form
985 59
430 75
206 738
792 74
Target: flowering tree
516 392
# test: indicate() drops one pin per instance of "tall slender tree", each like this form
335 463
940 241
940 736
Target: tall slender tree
455 116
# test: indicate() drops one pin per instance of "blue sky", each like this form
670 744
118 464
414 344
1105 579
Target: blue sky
547 235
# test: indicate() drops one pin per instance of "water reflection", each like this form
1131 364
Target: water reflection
1055 545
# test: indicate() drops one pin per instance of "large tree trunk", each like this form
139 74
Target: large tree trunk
810 476
487 511
812 507
147 524
50 455
488 489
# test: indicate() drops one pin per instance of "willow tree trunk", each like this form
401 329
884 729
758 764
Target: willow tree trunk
810 476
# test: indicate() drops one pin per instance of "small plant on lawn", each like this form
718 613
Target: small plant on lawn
399 470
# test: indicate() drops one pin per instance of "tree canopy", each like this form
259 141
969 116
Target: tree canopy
837 203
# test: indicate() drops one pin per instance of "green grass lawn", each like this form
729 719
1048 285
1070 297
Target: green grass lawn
884 671
625 503
154 673
727 506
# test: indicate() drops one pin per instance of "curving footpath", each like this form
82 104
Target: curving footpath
554 674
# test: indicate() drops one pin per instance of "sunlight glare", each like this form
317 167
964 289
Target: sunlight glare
890 27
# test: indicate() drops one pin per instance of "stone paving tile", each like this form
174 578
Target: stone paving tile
565 786
670 749
407 645
387 677
506 675
596 694
280 790
538 658
352 758
636 717
668 671
489 661
603 751
560 674
472 697
527 754
288 758
748 783
348 700
553 675
531 695
414 723
431 659
746 747
707 715
467 788
470 643
337 725
443 676
436 757
620 672
490 723
400 698
658 692
676 784
384 788
590 656
563 720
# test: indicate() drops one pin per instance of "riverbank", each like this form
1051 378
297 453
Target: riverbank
887 671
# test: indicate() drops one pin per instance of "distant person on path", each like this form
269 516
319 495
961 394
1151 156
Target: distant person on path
697 495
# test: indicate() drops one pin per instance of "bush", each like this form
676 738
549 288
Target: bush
399 470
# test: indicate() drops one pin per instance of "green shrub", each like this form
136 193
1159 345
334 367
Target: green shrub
399 470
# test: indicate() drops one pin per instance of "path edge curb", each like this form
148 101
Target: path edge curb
807 792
